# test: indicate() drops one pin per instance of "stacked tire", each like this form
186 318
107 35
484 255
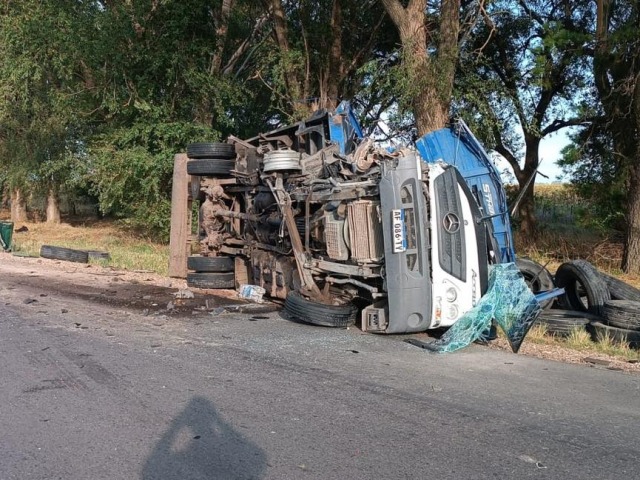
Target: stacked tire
211 272
620 322
605 306
561 323
211 159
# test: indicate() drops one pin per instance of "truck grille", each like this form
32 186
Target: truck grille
450 229
365 231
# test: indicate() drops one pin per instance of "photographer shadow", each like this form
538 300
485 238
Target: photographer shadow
199 445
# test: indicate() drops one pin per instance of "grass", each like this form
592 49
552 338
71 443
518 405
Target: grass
580 340
127 251
564 234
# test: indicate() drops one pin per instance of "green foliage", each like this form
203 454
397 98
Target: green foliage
130 169
525 73
598 175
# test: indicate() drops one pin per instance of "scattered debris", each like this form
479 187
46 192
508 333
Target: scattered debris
21 229
27 301
253 293
183 293
597 361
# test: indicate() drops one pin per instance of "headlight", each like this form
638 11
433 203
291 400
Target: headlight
452 312
452 295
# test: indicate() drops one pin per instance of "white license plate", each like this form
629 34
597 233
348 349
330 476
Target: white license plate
397 230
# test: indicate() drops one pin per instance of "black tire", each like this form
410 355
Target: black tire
219 280
620 290
210 166
600 330
622 314
62 253
563 322
210 264
537 278
316 313
585 289
98 255
211 150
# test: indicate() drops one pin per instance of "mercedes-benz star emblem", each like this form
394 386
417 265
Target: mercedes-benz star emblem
451 223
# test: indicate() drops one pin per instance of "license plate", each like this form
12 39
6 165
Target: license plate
397 230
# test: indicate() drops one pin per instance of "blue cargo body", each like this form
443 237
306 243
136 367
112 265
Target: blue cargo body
457 146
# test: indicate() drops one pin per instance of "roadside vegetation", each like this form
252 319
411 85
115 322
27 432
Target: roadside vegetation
581 341
77 120
128 251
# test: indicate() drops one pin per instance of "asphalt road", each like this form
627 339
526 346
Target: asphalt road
94 393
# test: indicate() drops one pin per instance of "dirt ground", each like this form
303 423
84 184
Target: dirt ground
139 291
145 293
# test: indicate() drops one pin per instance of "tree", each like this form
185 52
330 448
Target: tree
616 67
523 77
429 39
317 51
40 95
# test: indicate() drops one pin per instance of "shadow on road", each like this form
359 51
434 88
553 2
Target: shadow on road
199 445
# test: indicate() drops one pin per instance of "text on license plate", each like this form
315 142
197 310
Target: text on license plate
397 231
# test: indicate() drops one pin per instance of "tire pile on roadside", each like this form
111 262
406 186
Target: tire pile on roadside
603 305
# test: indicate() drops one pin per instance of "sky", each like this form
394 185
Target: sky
550 148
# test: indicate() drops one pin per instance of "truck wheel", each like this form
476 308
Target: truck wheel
620 290
622 314
211 150
217 280
210 166
600 330
537 277
210 264
62 253
309 311
585 289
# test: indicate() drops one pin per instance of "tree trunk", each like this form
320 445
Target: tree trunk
631 254
295 88
18 206
53 207
527 206
430 77
335 59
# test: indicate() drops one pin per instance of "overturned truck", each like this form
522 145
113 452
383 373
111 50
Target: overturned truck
346 231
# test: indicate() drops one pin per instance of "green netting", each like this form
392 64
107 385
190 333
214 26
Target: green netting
508 301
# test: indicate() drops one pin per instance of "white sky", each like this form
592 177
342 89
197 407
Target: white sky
550 148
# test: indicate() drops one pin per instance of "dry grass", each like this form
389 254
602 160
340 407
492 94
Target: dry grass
560 238
576 348
127 251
